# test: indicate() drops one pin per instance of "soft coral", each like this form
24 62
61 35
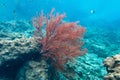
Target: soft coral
62 40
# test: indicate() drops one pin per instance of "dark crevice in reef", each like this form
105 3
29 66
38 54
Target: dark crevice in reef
10 69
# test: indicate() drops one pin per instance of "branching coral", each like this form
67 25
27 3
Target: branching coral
62 40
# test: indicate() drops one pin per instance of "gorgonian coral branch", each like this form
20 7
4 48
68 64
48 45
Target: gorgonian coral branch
62 40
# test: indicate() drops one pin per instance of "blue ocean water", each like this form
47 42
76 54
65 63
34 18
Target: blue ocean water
108 10
101 18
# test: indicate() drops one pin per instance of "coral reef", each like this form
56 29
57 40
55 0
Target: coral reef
88 67
112 65
30 51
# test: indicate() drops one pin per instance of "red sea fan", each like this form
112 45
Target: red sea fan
62 41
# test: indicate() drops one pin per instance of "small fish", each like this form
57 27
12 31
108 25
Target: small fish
14 11
92 11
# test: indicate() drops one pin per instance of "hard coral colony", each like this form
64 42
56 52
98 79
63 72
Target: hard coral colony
62 40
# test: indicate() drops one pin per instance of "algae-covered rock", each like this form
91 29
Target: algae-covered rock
13 53
15 29
87 67
33 70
